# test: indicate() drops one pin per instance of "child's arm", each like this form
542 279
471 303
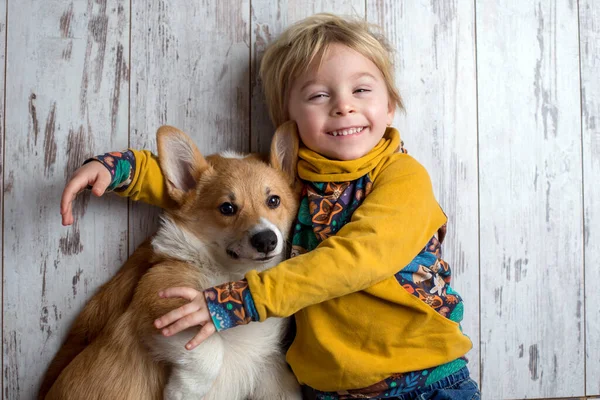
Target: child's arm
135 174
386 232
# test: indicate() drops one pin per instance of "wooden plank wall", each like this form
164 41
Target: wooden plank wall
2 127
66 96
531 220
503 108
589 32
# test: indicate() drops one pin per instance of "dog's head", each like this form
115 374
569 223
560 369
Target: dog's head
236 210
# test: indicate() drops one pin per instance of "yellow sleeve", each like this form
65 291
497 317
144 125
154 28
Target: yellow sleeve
148 183
390 227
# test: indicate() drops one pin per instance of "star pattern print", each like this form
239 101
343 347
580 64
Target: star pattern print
230 304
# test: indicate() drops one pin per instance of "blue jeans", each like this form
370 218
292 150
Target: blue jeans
458 386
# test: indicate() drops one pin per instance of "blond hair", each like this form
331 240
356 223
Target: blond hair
306 41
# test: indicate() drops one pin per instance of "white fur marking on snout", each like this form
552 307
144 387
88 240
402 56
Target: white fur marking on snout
266 225
244 249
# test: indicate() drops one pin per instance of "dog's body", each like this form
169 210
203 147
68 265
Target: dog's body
199 245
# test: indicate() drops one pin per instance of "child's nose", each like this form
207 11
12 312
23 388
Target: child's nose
345 111
343 107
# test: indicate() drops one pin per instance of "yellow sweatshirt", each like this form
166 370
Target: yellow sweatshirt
356 324
147 183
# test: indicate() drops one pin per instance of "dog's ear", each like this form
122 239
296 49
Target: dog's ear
180 161
284 149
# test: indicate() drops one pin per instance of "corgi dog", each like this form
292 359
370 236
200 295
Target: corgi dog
233 214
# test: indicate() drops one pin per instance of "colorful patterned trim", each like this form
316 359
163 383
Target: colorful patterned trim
324 209
401 149
230 304
398 384
121 165
428 278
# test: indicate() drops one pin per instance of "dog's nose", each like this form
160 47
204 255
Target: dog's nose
264 241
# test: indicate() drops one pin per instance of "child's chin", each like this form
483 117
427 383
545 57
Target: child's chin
346 155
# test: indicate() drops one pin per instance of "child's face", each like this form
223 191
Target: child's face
342 108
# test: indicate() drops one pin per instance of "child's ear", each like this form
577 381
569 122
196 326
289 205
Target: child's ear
180 161
284 149
390 114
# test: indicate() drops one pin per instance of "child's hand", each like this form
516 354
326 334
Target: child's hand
192 314
94 174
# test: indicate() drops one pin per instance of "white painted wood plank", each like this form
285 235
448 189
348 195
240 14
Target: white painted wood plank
589 19
530 199
190 65
269 19
2 119
435 72
67 85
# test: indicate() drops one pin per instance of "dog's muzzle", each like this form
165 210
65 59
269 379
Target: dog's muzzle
264 242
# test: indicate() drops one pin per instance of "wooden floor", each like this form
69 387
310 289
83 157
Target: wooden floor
503 108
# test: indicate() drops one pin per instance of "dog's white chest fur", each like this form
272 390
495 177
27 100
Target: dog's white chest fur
241 362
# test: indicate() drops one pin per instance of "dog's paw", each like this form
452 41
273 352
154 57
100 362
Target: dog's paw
178 391
172 393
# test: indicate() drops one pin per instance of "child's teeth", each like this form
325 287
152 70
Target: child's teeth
347 132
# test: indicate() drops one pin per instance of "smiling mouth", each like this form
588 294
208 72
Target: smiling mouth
347 132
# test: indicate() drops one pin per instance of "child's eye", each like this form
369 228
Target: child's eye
361 90
318 96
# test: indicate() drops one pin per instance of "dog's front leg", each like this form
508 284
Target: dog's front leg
278 384
193 372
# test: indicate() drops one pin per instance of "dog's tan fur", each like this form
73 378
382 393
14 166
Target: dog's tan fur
108 353
111 300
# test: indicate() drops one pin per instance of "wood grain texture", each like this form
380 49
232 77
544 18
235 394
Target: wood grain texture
66 95
589 32
531 232
434 46
269 19
3 184
190 66
503 109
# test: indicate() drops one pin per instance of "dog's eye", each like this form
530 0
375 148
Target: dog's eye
273 201
227 209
